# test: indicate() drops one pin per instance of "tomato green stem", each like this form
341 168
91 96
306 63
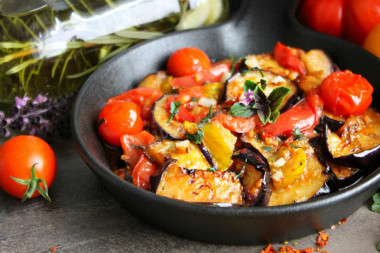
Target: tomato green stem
33 184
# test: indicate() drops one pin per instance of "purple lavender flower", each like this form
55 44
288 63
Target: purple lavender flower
40 99
248 97
21 102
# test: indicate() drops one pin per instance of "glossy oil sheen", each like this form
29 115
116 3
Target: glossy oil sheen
255 27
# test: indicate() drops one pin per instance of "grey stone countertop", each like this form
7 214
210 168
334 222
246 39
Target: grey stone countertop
83 217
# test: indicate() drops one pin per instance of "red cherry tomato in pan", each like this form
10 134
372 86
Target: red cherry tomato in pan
345 93
24 159
187 61
117 119
359 18
289 58
322 15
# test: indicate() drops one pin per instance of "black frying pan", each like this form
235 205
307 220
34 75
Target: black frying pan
255 27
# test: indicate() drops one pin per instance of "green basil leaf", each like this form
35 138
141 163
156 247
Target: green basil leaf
196 138
240 110
261 104
297 134
274 116
376 203
249 85
206 119
174 108
277 96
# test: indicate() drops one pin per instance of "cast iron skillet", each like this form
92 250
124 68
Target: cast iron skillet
255 27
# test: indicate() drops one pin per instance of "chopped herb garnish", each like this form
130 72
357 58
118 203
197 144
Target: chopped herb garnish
194 99
211 169
294 146
136 147
242 170
297 134
376 203
174 108
267 148
378 246
257 102
197 137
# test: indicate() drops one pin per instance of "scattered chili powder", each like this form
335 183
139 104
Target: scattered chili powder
285 249
53 249
322 239
342 221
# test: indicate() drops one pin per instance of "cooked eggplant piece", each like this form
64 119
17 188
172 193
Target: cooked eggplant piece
234 89
187 154
218 144
254 174
173 129
297 174
158 81
356 143
333 122
200 186
318 63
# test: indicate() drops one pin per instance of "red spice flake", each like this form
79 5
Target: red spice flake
269 249
322 239
342 221
285 249
53 249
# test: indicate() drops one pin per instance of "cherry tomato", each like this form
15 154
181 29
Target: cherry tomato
143 171
345 93
187 61
211 75
129 143
322 15
359 18
372 42
26 157
289 57
119 118
144 98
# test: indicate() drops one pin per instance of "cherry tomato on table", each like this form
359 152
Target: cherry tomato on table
117 119
359 18
187 61
26 160
345 93
322 15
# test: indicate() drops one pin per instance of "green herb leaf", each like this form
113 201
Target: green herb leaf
206 119
262 105
378 246
196 138
174 108
376 203
297 134
249 85
240 110
242 170
267 148
194 99
276 97
211 169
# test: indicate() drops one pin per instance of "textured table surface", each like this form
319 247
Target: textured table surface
83 217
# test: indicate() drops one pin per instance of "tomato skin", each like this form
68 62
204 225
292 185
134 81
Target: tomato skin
119 118
211 75
237 124
359 18
324 16
143 171
186 61
143 97
289 58
345 93
140 139
18 155
371 43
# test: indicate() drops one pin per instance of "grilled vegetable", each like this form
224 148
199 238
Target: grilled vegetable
219 143
187 154
200 186
253 171
234 91
356 143
168 129
297 174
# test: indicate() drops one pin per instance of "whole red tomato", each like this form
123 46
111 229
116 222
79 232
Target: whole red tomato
322 15
345 93
187 61
359 18
27 160
119 118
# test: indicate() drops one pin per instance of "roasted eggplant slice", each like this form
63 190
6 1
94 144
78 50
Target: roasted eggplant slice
187 154
333 122
356 143
254 174
234 89
200 186
297 175
171 130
